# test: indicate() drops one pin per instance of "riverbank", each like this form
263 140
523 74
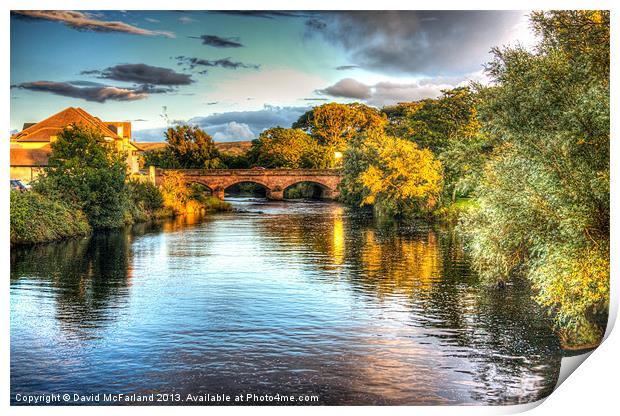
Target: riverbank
36 218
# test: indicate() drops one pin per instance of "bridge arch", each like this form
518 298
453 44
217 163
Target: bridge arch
319 190
238 183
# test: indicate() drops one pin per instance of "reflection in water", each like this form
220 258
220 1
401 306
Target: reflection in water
289 298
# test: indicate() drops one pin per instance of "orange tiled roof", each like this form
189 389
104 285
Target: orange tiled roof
30 157
51 126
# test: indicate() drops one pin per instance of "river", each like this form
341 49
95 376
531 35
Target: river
286 298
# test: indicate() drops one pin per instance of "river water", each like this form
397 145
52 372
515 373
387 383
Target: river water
287 298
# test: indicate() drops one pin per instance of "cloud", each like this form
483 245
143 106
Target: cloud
235 124
280 86
150 19
348 88
192 63
346 67
87 22
185 20
234 132
313 99
218 42
142 74
416 42
388 92
98 94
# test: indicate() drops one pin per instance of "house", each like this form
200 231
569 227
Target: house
31 147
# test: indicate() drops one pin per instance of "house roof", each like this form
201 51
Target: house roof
30 157
51 126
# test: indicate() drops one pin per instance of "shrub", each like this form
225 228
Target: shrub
36 218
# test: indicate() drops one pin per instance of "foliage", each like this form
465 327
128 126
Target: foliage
235 161
288 148
392 174
143 202
334 125
162 158
37 218
182 198
544 195
448 126
87 172
189 147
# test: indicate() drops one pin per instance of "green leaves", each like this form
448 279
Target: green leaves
392 174
289 148
89 173
544 194
189 147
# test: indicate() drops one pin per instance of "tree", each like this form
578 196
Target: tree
391 174
288 148
189 147
448 126
544 196
334 124
87 172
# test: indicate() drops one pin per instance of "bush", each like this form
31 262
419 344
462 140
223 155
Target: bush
86 171
392 175
36 218
183 199
144 201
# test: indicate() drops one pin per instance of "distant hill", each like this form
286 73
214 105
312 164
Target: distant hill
231 148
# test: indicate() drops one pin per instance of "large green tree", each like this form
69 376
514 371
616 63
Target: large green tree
544 196
334 124
448 126
189 147
280 147
392 175
89 173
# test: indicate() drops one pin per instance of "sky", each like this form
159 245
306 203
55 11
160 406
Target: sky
237 73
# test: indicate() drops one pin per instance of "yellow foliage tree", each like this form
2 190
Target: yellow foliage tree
391 174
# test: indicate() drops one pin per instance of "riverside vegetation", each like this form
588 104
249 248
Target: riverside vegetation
86 186
521 166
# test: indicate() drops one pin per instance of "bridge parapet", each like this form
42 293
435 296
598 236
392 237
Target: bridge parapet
274 180
252 172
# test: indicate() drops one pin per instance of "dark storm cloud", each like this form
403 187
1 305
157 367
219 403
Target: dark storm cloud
415 42
219 42
347 88
192 63
142 74
87 22
346 67
387 93
98 94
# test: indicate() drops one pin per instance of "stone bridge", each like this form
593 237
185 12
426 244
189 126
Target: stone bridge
275 181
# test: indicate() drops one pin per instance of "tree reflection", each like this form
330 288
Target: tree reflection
91 278
502 334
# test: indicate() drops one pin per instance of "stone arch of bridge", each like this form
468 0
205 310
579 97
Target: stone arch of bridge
326 192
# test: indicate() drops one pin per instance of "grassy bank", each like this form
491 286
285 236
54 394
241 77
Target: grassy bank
38 219
455 210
